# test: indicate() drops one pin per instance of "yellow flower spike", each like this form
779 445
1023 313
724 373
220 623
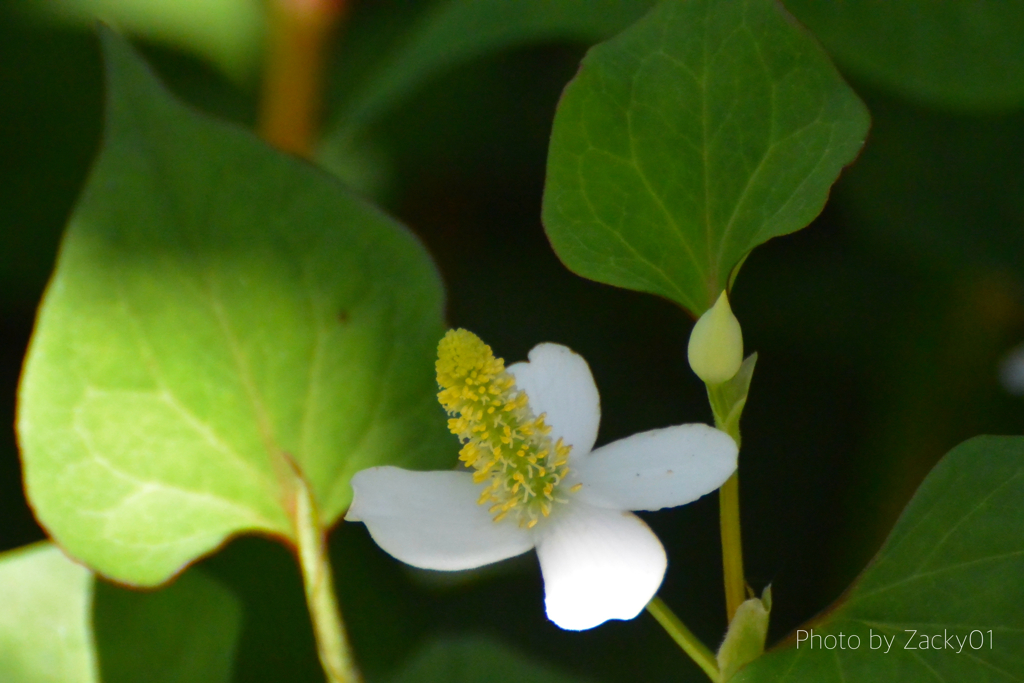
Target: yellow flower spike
491 417
715 350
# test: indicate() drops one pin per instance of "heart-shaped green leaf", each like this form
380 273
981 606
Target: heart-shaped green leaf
700 132
950 573
60 625
221 316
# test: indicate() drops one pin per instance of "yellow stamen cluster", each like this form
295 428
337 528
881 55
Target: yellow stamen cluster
510 449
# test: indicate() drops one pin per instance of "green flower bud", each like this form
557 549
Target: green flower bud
744 641
716 344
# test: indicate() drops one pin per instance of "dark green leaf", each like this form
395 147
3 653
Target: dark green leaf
451 33
940 188
184 633
704 130
951 567
218 310
956 53
455 31
473 660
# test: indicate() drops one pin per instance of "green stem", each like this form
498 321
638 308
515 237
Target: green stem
684 638
317 579
732 545
727 410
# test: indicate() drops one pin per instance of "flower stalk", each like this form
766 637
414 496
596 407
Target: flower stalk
727 402
684 638
317 580
732 545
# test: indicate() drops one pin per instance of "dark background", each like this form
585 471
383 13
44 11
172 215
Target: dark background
879 331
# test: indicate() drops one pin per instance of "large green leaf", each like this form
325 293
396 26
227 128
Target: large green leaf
60 625
952 566
219 313
704 130
955 53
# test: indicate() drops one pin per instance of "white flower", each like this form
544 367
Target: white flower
599 561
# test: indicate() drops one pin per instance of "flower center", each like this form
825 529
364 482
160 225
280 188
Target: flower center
502 440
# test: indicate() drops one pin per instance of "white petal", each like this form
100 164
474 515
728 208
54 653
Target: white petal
431 520
656 469
598 565
559 383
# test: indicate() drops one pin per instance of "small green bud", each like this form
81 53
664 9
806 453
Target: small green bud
716 343
744 641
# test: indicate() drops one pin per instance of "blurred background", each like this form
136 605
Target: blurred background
880 329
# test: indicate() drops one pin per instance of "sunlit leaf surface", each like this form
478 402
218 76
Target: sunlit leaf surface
44 622
219 312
